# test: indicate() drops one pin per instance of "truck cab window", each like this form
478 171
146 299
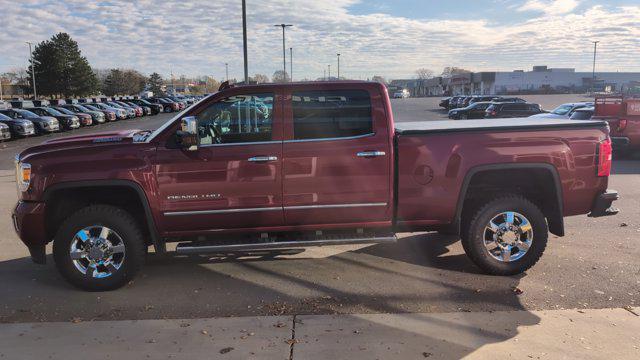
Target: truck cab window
331 114
237 119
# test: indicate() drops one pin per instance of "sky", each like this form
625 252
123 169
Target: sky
374 37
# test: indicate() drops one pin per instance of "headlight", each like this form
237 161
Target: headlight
23 176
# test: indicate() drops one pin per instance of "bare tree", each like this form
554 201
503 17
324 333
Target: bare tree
450 71
260 78
379 79
424 73
280 76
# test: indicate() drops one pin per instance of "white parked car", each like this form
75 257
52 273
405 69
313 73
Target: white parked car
402 94
563 111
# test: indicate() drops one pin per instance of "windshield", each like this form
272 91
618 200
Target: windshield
582 114
4 117
172 121
25 113
90 107
64 111
53 112
82 108
562 110
479 106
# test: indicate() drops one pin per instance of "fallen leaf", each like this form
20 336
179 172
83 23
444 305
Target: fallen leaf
517 290
225 350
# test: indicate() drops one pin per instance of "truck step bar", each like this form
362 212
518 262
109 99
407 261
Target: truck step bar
197 248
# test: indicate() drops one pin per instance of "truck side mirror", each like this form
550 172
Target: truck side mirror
187 136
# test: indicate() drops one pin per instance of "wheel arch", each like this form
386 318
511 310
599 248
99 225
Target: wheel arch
54 192
552 205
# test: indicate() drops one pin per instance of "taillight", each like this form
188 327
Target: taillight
622 124
604 158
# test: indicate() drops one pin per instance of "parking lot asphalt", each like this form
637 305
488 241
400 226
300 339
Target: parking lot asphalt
594 266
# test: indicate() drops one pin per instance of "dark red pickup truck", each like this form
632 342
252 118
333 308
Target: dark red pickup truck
285 166
622 112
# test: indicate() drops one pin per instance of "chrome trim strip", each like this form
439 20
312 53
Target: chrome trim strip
333 206
222 211
330 139
302 207
243 143
371 153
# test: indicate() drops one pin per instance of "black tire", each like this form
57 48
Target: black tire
114 218
168 109
473 235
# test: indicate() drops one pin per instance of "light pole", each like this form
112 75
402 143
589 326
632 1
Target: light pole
284 50
324 74
244 40
291 63
593 80
33 73
338 66
329 67
226 66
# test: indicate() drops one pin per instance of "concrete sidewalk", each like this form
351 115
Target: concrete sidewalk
561 334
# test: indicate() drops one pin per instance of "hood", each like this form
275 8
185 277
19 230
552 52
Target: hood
49 118
548 116
81 141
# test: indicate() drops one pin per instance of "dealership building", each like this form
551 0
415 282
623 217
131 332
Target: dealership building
540 79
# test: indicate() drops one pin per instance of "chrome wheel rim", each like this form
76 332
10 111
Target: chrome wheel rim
97 251
508 236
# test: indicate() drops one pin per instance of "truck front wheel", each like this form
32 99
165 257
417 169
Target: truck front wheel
99 247
506 236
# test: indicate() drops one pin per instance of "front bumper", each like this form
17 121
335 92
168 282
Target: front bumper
602 205
29 223
619 143
5 134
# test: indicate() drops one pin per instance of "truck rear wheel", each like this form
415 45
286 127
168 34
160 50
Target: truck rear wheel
99 248
506 236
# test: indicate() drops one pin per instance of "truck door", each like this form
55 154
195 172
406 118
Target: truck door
337 157
234 179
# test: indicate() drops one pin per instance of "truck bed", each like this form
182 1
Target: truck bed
429 127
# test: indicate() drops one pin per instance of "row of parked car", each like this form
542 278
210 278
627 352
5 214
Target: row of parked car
491 106
22 118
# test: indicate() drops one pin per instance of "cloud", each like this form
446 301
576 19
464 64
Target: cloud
550 7
197 37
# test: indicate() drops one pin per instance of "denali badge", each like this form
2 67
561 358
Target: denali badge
194 197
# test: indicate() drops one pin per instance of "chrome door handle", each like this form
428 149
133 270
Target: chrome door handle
371 153
262 158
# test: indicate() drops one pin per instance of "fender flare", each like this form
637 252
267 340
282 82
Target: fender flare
556 221
153 232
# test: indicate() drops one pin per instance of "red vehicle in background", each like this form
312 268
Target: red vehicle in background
622 112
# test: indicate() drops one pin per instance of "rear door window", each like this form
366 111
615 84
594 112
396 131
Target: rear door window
327 114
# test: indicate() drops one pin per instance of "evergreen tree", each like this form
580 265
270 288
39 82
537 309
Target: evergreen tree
61 69
155 84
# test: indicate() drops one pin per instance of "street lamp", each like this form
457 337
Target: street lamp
284 50
338 66
33 73
244 42
593 80
329 66
226 66
291 63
